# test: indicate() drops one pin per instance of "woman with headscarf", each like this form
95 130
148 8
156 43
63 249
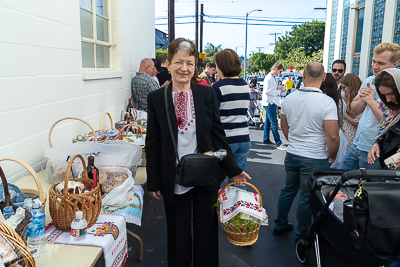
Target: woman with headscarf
192 225
387 84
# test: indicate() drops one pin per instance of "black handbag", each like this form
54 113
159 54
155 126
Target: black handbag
372 219
194 169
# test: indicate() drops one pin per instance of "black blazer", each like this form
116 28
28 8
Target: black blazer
160 155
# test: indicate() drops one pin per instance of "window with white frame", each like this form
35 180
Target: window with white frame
95 33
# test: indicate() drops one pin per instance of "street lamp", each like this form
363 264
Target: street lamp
245 44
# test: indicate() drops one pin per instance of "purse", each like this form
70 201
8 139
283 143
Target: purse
372 218
194 169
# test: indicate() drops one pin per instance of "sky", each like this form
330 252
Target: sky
280 15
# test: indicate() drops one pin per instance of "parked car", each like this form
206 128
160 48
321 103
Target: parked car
260 80
284 75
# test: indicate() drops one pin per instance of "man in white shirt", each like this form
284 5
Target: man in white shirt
270 100
309 122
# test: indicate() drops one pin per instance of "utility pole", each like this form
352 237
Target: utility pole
171 21
276 60
259 48
197 26
201 38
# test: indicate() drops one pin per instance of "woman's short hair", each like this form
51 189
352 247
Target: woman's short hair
228 63
183 45
385 79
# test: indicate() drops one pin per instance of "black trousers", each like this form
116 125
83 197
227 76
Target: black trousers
201 244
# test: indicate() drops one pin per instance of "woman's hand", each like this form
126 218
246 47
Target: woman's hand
156 194
373 154
239 179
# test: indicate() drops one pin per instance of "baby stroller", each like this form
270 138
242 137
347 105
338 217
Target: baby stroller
333 246
254 114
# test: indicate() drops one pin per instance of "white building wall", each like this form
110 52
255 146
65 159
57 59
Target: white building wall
41 75
327 40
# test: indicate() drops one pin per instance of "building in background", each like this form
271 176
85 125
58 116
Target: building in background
65 59
161 40
355 27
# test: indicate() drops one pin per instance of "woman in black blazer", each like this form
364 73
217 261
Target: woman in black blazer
194 114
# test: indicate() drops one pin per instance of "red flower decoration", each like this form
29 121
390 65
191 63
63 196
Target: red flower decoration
178 122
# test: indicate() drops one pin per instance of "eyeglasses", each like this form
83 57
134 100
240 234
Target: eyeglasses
337 70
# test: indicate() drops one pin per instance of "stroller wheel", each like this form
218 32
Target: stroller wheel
302 252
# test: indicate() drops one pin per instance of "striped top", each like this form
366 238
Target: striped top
233 99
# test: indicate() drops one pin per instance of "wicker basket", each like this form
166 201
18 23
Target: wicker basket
73 139
22 227
29 191
240 234
24 256
63 206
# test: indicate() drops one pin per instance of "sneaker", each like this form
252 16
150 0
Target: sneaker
289 227
270 144
282 147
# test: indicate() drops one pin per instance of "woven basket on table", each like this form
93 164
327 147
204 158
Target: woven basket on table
73 139
24 257
22 227
240 234
29 191
102 131
63 206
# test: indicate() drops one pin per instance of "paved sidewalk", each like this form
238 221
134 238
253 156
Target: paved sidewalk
265 166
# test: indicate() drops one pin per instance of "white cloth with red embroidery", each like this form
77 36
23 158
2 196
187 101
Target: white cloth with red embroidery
109 232
234 200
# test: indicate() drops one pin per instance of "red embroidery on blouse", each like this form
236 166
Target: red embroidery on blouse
181 110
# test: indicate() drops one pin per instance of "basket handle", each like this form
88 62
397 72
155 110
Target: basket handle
7 198
246 183
101 121
34 175
85 175
71 118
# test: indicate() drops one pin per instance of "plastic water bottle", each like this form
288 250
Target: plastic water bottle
28 204
36 240
8 211
78 227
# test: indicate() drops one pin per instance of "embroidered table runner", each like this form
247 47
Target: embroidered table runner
234 200
132 209
109 232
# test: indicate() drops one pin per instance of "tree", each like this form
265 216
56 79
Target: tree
261 61
210 49
309 35
298 58
160 51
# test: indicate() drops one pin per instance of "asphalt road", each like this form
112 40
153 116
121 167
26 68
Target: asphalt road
265 166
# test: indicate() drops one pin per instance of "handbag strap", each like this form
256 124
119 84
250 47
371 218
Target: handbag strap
169 122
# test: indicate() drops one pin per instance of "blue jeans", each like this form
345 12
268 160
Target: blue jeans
297 170
355 159
271 122
240 152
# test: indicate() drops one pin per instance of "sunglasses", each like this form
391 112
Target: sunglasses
337 70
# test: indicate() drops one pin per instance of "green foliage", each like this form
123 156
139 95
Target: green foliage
309 35
261 61
211 50
159 51
298 58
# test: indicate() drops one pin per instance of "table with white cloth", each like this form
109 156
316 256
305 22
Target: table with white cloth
61 254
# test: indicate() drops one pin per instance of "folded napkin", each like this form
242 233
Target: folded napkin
234 200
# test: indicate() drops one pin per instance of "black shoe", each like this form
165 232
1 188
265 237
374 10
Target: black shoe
289 227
